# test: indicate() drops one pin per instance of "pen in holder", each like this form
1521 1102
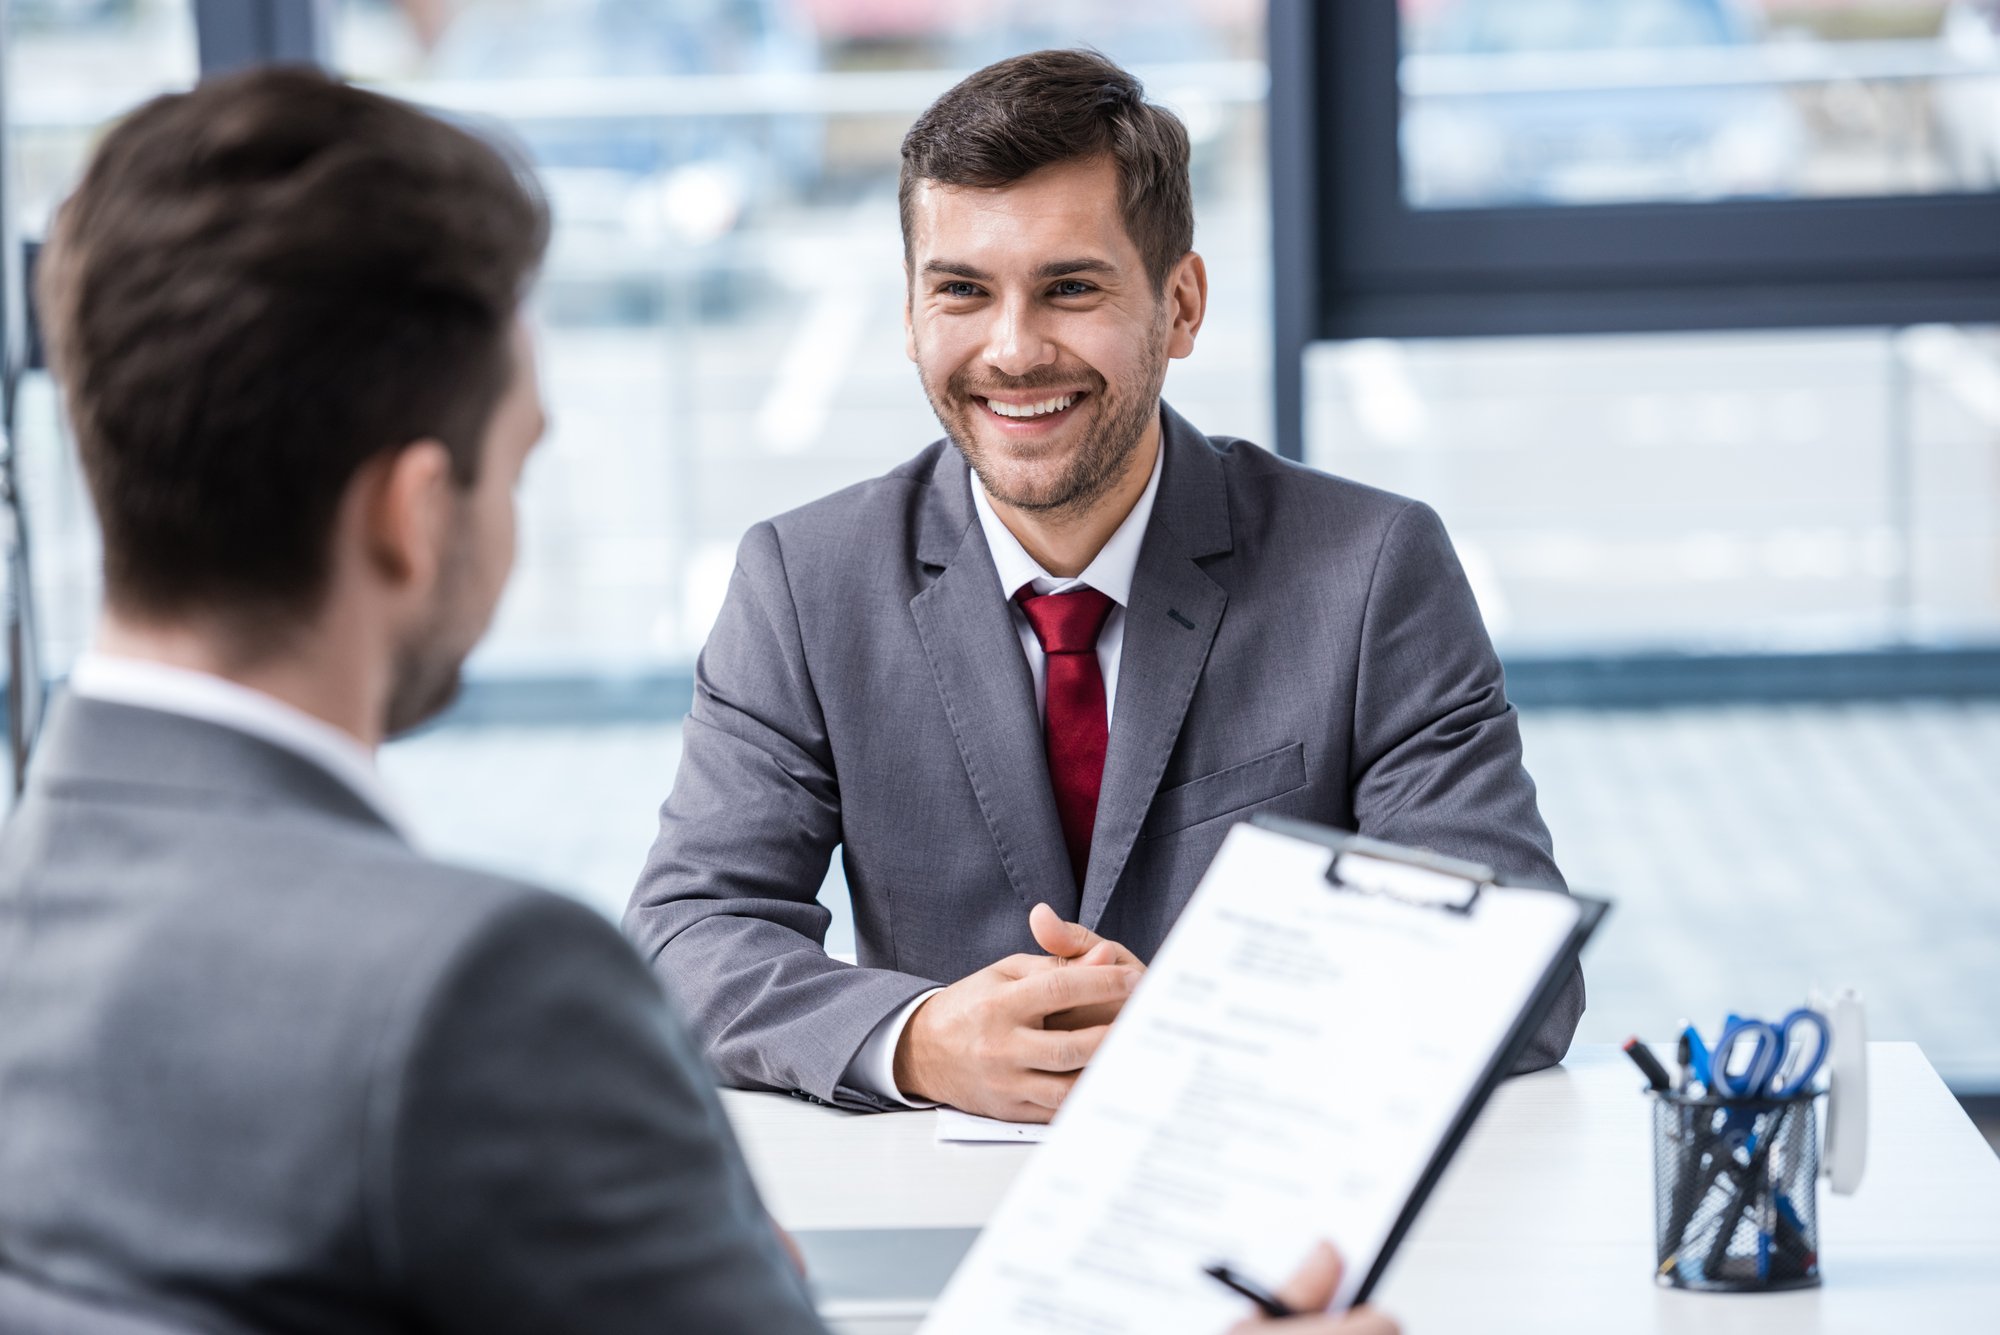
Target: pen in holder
1736 1206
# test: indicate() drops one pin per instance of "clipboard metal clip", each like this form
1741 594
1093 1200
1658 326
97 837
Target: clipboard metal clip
1407 875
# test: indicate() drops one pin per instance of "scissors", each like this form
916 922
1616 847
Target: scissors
1782 1061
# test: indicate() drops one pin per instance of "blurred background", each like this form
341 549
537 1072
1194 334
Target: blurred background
1745 577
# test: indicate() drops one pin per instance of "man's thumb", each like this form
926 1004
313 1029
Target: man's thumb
1056 936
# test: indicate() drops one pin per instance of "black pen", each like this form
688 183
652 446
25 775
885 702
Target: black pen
1270 1304
1648 1064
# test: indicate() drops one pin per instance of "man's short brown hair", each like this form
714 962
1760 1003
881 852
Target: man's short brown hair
260 285
1033 111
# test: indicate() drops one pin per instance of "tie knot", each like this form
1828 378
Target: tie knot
1066 623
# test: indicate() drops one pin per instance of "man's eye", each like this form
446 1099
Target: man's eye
961 289
1072 287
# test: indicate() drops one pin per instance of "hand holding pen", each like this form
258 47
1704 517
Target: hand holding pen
1299 1308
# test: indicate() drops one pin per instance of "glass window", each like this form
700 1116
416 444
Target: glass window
1733 493
1562 102
73 66
721 309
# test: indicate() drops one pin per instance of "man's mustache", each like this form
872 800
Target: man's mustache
963 386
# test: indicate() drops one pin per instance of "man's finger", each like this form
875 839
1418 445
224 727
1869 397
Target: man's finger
1061 1049
1064 940
1043 994
1312 1285
1072 941
1084 1017
1020 966
1041 1095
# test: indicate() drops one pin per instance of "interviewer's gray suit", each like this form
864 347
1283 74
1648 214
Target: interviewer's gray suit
264 1068
1295 643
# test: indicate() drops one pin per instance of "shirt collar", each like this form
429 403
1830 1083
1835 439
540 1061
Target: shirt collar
146 684
1110 572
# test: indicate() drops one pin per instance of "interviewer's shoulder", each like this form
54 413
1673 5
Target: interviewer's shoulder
537 924
512 973
425 920
480 917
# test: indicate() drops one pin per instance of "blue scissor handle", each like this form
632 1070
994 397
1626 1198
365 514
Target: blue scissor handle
1772 1070
1792 1075
1749 1078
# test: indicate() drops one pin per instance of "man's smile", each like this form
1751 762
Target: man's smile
1020 413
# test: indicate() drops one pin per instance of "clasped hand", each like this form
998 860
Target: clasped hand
1009 1041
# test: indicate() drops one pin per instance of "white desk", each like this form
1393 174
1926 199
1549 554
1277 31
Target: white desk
1543 1223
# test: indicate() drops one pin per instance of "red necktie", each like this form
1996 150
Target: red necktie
1075 725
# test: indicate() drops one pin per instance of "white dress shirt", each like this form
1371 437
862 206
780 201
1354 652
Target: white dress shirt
1110 572
145 684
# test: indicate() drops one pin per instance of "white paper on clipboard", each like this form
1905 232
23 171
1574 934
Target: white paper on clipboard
1287 1072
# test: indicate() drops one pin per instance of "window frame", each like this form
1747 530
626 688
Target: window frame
1355 260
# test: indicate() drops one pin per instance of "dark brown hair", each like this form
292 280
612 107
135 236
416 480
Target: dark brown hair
1033 111
260 285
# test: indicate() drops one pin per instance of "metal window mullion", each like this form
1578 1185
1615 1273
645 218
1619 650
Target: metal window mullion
237 34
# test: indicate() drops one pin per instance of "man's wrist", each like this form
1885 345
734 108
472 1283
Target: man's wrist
873 1067
907 1066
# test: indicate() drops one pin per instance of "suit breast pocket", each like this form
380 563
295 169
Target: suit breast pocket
1227 790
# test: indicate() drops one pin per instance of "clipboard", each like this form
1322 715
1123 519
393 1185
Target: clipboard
1307 1054
1477 879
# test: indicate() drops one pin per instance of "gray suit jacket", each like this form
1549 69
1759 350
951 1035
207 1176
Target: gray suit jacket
1295 644
262 1067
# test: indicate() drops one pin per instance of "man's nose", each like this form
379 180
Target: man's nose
1016 343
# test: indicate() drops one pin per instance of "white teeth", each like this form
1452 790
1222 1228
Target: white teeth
1041 409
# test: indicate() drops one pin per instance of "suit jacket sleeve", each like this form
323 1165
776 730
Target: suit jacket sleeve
727 907
1437 747
558 1160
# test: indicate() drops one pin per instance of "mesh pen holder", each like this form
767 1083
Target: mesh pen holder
1736 1193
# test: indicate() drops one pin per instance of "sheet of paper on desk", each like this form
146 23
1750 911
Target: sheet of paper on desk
1287 1071
954 1125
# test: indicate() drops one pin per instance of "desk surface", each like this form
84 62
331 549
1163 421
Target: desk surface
1543 1222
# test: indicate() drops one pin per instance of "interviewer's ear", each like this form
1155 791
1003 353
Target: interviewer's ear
406 498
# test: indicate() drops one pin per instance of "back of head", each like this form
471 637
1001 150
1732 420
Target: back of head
259 285
1031 111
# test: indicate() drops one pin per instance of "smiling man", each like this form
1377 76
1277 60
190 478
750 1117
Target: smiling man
1027 681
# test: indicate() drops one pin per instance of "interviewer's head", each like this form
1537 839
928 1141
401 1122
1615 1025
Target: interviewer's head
285 316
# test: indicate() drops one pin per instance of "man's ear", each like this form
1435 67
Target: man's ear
405 497
909 314
1187 302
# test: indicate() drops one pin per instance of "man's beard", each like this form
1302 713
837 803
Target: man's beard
1093 467
426 684
428 669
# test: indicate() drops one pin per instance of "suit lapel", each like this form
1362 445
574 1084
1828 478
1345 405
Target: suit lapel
1169 626
989 697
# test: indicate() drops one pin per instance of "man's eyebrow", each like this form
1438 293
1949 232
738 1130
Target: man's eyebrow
1064 268
953 269
1052 269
